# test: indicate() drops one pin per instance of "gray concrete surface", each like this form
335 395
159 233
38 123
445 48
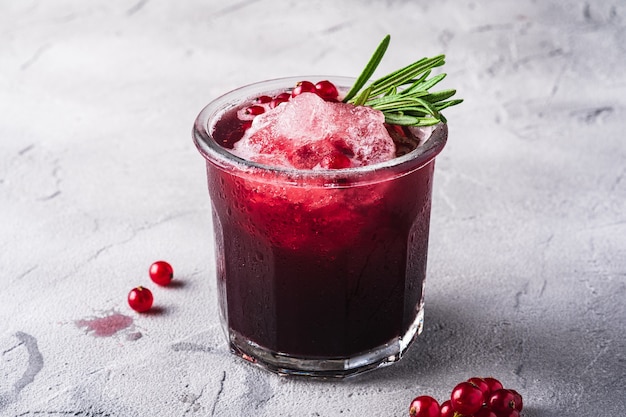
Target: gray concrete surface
99 177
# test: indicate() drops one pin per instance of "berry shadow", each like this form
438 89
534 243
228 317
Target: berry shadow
547 358
433 350
454 343
156 311
176 284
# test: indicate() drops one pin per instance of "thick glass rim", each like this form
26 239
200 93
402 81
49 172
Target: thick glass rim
222 158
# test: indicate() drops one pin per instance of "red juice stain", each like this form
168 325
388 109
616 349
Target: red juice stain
105 326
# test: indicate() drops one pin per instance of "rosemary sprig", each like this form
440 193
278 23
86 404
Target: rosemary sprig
403 95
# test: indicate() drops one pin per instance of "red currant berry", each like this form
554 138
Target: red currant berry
281 98
485 412
262 99
140 299
255 110
466 398
424 406
508 413
502 400
519 403
481 385
398 129
303 87
161 273
446 409
493 384
326 90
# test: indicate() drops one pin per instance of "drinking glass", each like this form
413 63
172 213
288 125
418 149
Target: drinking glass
319 272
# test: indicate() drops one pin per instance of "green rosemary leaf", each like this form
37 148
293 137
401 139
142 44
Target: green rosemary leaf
428 106
402 73
401 119
426 84
440 95
406 120
406 74
416 83
446 104
403 95
369 68
428 121
416 111
389 101
393 90
362 98
399 72
422 78
411 109
397 98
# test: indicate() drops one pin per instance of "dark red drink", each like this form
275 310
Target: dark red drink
319 272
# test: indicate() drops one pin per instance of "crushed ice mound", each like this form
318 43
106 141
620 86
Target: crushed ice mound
310 133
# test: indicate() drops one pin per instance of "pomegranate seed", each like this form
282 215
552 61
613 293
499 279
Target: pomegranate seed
263 99
255 110
303 87
281 98
326 90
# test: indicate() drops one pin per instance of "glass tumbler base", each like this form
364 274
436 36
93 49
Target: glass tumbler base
326 368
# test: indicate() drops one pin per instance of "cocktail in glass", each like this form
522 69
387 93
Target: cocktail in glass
319 272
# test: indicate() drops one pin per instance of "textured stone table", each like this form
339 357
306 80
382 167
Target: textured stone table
99 177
